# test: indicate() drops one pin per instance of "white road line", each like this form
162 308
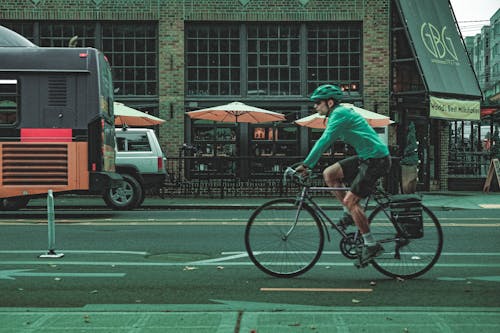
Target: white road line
218 260
495 206
442 254
230 255
169 264
76 251
227 259
445 222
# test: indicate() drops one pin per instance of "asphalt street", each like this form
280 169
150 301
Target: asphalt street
126 270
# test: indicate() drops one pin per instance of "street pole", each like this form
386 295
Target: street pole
51 253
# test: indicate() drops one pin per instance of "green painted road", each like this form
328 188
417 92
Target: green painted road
194 276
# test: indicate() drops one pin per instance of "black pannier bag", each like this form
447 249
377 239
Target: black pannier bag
406 211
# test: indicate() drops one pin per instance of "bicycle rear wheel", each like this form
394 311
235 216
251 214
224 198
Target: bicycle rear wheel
283 240
403 257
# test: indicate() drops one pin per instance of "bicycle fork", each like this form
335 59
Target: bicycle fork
300 202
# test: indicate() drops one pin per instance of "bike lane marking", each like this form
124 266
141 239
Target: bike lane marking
336 290
494 206
227 257
13 273
245 263
139 253
480 222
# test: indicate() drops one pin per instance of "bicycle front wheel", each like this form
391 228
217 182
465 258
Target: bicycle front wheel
283 239
404 257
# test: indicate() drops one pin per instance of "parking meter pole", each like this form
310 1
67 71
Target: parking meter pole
51 229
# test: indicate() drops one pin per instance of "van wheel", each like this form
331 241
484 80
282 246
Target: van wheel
14 203
125 197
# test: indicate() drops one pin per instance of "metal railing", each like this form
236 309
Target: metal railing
225 176
221 176
468 164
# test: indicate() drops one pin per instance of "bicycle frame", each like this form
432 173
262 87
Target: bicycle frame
271 247
306 197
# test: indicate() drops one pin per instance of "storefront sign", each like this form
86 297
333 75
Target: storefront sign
447 108
440 51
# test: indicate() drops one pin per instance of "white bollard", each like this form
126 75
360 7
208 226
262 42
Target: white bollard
51 253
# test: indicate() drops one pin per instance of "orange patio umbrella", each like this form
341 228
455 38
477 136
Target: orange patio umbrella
318 121
125 115
236 112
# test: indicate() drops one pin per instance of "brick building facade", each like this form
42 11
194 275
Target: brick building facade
158 78
171 15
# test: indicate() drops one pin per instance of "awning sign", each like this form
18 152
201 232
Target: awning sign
439 49
447 108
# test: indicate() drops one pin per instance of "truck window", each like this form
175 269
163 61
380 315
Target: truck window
133 142
8 102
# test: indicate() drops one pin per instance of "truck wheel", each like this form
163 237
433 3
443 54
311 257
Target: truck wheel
125 197
13 203
141 199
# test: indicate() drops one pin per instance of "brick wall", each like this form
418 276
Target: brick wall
171 75
376 61
79 9
444 135
277 10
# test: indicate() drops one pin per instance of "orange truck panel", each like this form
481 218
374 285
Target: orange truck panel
30 168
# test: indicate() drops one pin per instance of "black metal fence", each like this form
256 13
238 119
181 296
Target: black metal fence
468 164
223 176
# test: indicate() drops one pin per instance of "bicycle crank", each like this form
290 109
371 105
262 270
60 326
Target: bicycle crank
349 244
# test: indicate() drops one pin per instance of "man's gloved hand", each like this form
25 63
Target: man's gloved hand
302 169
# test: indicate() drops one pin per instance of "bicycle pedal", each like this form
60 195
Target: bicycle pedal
361 265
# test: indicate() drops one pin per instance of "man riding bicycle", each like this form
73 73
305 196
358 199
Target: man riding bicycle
362 171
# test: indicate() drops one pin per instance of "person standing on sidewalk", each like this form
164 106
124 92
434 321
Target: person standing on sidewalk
362 171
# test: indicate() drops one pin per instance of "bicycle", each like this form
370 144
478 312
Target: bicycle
285 237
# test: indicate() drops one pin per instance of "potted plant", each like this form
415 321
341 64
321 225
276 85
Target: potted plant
409 162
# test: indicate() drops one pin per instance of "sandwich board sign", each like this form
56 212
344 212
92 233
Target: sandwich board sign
493 170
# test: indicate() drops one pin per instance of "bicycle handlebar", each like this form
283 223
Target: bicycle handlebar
297 176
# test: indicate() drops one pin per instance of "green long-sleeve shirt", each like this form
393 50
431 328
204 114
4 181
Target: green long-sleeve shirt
347 125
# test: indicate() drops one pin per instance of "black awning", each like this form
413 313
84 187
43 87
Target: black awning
439 48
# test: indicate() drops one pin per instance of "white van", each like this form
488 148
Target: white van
141 163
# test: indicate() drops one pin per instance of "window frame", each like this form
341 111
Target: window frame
219 45
9 80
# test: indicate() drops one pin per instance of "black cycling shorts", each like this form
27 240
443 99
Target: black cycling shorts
363 174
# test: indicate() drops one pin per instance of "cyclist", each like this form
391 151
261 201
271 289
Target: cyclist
362 171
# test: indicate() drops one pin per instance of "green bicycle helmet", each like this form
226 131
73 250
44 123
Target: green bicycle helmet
325 92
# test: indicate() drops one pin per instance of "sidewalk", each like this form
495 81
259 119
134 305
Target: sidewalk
434 200
161 318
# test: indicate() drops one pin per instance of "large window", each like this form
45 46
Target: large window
470 147
280 61
273 60
132 51
334 56
276 139
274 56
59 34
8 101
213 139
213 60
